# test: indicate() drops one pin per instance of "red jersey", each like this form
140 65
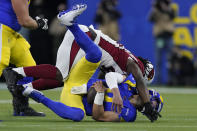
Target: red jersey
114 55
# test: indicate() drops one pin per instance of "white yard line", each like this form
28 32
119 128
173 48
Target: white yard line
163 90
10 101
172 90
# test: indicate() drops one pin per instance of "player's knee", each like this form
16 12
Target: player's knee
79 115
59 76
1 72
2 67
74 114
98 54
132 119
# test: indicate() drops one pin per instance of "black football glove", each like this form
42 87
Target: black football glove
42 23
149 112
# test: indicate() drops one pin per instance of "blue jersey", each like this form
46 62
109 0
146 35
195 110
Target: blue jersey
8 16
127 89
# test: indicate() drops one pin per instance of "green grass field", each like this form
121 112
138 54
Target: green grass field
179 114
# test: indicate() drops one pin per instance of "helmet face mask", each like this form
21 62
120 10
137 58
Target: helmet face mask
154 104
156 97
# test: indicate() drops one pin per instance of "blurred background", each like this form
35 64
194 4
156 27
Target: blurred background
163 31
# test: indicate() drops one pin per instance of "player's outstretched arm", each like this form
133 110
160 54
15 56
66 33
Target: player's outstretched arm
98 112
21 8
106 116
133 68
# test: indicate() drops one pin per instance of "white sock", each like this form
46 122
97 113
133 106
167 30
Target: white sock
28 89
20 70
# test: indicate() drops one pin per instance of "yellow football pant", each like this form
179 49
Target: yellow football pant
14 49
79 75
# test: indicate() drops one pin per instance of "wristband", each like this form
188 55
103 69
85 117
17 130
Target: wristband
99 98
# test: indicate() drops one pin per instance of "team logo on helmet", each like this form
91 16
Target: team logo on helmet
149 72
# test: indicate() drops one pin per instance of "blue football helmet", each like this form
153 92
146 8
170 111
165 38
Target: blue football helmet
155 96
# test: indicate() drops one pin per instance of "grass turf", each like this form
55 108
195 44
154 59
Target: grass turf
179 114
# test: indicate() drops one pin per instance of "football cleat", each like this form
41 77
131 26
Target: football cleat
11 78
67 17
29 112
20 102
79 89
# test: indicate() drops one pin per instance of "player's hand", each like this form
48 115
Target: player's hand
98 85
149 112
42 23
117 103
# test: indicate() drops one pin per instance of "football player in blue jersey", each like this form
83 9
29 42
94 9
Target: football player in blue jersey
98 101
14 48
102 106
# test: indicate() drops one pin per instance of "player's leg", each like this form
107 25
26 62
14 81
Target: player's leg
59 108
26 64
80 74
84 68
4 48
44 83
7 40
18 54
93 53
69 52
90 48
50 76
64 54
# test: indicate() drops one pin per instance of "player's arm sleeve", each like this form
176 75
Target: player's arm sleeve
113 79
128 114
21 9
